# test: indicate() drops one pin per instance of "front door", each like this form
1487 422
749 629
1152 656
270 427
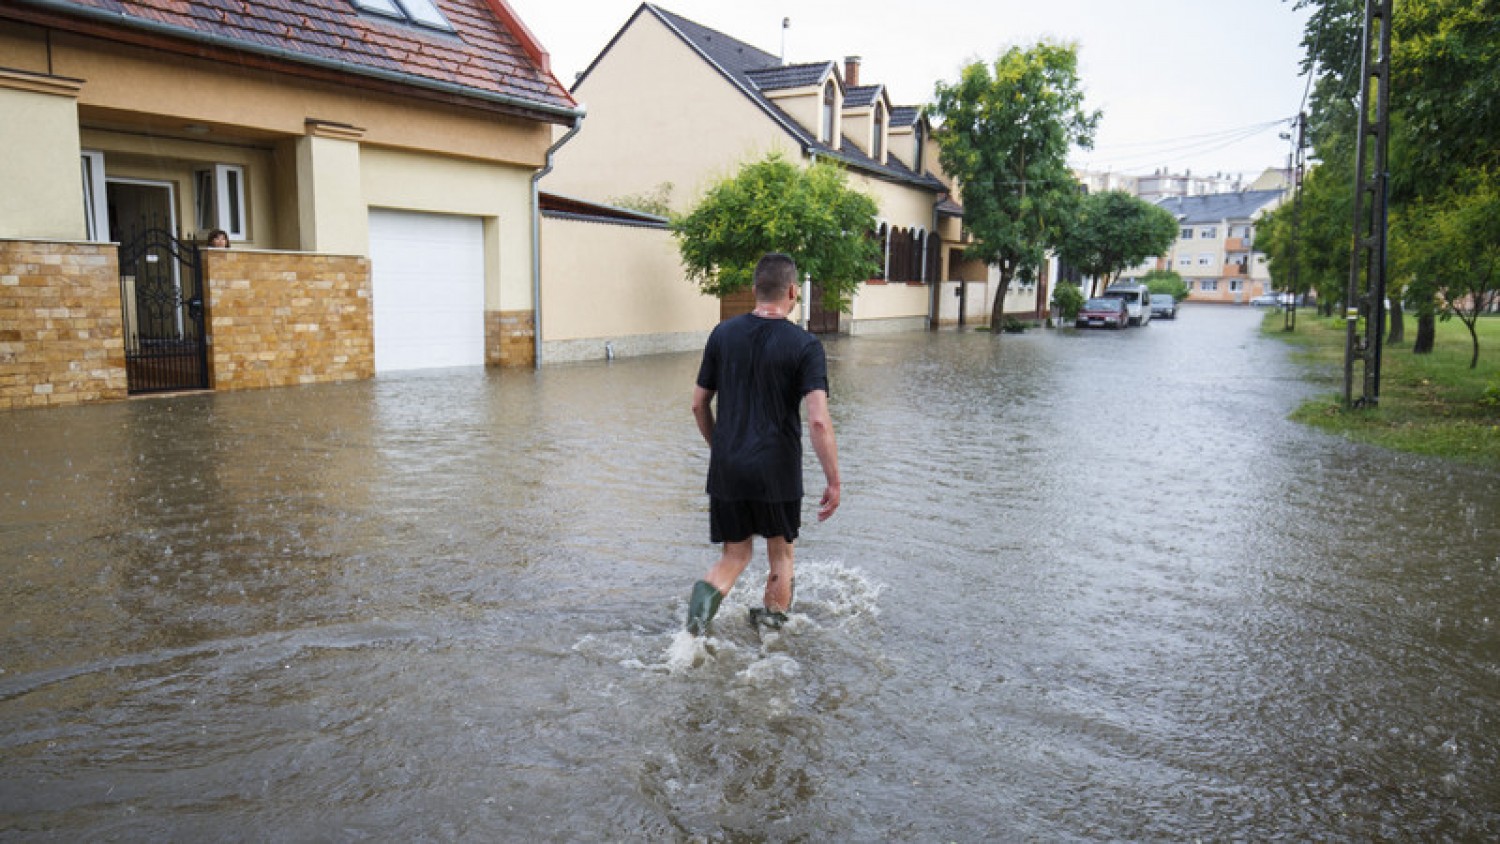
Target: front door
161 290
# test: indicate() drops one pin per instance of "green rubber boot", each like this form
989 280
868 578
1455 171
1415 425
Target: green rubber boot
702 606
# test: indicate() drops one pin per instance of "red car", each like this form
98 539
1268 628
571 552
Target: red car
1103 313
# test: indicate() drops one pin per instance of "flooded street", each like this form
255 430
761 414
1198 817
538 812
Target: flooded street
1083 586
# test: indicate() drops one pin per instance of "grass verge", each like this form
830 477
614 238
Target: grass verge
1431 404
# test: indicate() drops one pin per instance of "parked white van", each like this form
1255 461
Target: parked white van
1137 301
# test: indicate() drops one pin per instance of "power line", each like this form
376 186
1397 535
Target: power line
1154 152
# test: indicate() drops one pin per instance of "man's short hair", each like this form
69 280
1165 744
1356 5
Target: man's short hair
773 275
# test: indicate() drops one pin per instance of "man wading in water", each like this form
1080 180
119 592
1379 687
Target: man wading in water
761 367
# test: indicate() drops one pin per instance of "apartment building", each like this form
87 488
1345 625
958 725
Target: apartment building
1215 247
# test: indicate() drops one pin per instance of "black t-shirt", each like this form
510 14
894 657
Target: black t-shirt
760 369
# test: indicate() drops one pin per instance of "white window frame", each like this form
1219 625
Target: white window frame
1186 234
218 189
1209 233
885 249
1236 285
229 187
95 198
1205 259
422 12
921 233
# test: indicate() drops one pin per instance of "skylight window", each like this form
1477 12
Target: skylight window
424 12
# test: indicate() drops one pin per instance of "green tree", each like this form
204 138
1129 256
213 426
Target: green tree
775 206
1325 235
1450 249
1004 137
1445 102
1067 301
1445 66
656 201
1112 231
1168 282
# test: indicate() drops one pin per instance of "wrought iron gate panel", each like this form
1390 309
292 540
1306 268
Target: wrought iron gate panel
821 319
161 290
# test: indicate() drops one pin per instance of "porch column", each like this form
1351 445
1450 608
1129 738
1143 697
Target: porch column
331 210
41 171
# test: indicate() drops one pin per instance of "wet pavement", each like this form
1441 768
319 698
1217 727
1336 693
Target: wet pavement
1084 586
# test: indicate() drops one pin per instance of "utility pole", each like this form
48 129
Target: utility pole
1366 291
1294 287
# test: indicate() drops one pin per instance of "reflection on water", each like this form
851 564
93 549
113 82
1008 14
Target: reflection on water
1083 586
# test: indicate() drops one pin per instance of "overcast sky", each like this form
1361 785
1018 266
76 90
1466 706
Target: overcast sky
1194 84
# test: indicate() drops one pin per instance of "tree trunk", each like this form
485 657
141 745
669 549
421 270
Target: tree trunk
1426 334
1397 334
997 313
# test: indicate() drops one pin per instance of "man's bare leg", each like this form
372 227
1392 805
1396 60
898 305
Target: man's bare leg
778 595
780 553
708 592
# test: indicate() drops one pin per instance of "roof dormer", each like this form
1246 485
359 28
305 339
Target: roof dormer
910 139
809 93
867 119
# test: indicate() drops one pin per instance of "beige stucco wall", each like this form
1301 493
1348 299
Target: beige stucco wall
859 126
658 113
805 106
902 143
124 83
39 137
156 115
890 301
619 284
899 205
500 195
330 201
135 156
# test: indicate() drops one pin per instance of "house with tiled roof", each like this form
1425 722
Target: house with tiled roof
1215 248
675 106
371 162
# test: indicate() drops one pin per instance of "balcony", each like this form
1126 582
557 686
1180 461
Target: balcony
1239 244
1234 270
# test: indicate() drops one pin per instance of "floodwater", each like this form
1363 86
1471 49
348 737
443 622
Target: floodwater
1084 586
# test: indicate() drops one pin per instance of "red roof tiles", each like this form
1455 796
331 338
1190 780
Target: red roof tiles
485 53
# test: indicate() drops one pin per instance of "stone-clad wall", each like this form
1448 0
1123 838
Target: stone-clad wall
61 325
509 338
282 318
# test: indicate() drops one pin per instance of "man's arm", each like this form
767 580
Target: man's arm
820 428
703 412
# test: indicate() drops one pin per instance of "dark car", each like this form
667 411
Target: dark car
1164 305
1103 312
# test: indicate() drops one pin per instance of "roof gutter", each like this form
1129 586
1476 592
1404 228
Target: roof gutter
536 239
63 7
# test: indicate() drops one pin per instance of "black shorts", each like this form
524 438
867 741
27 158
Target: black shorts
736 521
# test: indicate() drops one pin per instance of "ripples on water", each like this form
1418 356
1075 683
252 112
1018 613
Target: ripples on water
1083 586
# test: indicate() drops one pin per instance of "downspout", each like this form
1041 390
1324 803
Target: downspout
935 300
807 292
536 239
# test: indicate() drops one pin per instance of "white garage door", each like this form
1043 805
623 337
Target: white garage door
428 285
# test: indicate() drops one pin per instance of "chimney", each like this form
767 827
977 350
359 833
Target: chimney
851 71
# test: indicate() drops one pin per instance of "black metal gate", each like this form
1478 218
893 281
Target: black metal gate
821 319
161 289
